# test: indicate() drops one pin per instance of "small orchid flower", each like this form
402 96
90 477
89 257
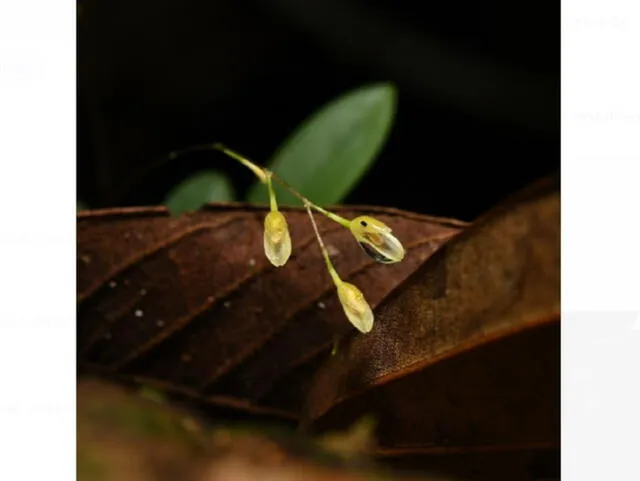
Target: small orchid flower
376 239
277 241
355 306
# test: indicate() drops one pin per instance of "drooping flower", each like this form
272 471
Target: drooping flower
277 241
355 306
376 239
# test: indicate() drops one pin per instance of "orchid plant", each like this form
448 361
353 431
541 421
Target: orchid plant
375 237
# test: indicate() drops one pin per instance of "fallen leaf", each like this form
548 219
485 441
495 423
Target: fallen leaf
464 357
191 306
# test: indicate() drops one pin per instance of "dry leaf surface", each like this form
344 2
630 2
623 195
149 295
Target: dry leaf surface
191 305
465 355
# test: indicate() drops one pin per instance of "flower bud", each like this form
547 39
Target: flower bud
376 240
277 241
355 307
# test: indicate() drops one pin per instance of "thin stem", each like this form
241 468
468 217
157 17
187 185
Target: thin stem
272 195
263 173
334 349
334 217
256 169
334 275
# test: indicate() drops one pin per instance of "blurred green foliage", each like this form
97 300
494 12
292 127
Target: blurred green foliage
324 158
199 189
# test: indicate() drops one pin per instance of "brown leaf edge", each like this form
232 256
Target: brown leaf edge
227 401
400 348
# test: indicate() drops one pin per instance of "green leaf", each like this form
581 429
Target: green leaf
197 190
330 151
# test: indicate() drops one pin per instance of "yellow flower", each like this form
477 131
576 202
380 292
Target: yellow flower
277 241
355 306
376 239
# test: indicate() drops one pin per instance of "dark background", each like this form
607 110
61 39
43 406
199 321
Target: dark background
478 108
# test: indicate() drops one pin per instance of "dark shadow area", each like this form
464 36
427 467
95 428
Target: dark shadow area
478 111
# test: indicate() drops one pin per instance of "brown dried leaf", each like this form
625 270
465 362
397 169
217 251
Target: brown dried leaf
191 304
464 356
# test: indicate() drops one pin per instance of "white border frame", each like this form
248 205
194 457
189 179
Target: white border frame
600 239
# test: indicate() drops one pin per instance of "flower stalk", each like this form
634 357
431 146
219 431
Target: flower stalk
353 302
374 237
277 241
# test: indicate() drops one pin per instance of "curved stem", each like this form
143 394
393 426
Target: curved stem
334 217
265 176
334 275
273 204
260 172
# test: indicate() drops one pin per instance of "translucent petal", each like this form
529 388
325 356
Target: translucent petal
376 240
374 254
277 241
355 307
